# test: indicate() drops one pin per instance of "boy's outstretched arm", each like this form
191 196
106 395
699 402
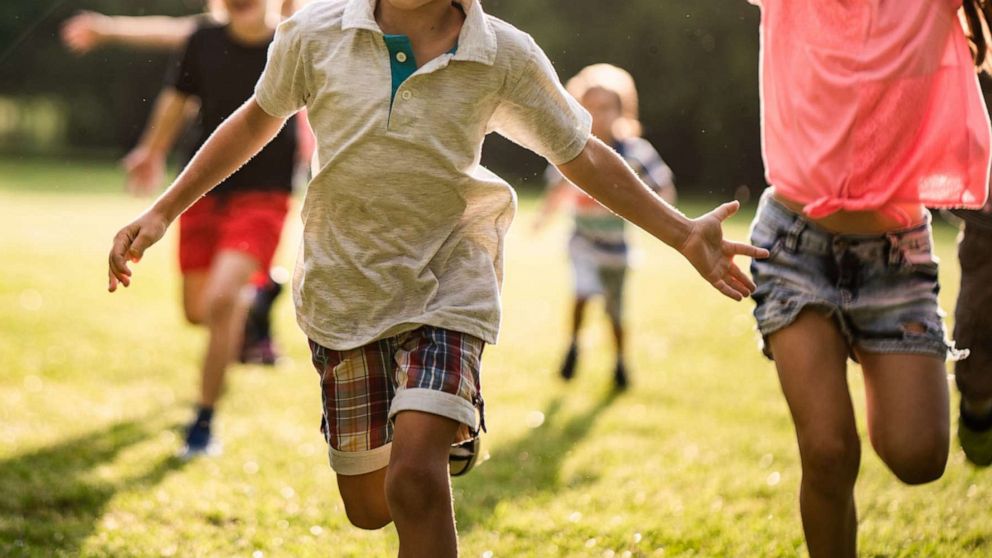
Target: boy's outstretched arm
145 164
605 176
236 141
88 30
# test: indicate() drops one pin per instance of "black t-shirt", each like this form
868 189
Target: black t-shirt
222 73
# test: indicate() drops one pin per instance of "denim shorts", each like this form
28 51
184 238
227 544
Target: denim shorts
881 289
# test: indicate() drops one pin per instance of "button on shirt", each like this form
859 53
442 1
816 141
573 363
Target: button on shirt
402 225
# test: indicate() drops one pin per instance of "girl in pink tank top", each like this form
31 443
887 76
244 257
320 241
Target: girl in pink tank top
870 111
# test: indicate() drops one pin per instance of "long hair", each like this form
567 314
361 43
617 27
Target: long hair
615 80
977 14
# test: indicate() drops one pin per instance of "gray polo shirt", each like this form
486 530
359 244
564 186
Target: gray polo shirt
402 225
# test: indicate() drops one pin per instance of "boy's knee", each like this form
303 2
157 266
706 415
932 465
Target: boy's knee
220 304
365 516
195 314
832 462
413 486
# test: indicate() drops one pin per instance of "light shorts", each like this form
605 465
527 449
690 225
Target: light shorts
429 369
599 270
880 289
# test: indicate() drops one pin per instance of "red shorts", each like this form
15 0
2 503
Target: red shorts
249 222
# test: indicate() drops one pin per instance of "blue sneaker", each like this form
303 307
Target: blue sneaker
199 440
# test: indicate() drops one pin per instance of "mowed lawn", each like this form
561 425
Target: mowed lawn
698 459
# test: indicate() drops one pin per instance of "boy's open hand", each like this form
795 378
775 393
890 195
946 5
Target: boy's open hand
713 257
82 32
130 244
145 171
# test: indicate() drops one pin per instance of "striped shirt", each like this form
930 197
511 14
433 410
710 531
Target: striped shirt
600 225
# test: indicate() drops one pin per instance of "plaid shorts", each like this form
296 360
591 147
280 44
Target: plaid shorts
429 369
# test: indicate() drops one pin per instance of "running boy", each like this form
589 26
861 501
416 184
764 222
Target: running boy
232 233
397 285
871 110
89 30
598 247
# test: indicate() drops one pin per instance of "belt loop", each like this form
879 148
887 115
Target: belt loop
795 231
895 250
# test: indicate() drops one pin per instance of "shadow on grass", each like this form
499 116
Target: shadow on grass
527 467
51 499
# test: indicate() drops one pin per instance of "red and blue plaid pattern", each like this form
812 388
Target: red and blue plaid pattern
358 385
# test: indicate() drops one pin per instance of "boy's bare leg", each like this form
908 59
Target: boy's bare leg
908 413
811 357
194 285
578 313
224 305
364 499
418 489
618 337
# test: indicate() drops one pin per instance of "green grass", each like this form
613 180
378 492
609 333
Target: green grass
698 460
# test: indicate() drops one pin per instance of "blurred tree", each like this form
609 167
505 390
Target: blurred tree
105 96
696 67
695 62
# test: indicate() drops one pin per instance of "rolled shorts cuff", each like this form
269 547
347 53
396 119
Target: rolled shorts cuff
436 403
351 463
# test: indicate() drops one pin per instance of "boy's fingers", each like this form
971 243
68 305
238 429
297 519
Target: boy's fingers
118 259
726 210
739 286
727 290
139 246
742 277
742 249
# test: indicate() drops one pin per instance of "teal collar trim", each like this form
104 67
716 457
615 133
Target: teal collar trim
402 62
477 42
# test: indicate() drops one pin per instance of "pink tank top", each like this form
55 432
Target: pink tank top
871 103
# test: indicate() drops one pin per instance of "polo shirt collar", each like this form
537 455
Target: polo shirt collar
476 42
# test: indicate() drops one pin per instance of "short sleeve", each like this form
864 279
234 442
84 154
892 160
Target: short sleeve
182 74
537 113
283 89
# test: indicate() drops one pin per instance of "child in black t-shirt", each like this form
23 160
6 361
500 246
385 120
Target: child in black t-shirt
88 30
231 234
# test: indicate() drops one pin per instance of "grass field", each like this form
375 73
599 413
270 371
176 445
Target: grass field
698 459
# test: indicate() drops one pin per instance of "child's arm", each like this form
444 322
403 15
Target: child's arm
605 176
236 141
89 30
145 164
555 198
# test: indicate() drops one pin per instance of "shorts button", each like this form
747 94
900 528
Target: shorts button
406 95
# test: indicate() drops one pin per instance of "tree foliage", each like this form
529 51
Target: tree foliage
695 62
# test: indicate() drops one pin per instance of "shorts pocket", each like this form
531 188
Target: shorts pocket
767 238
